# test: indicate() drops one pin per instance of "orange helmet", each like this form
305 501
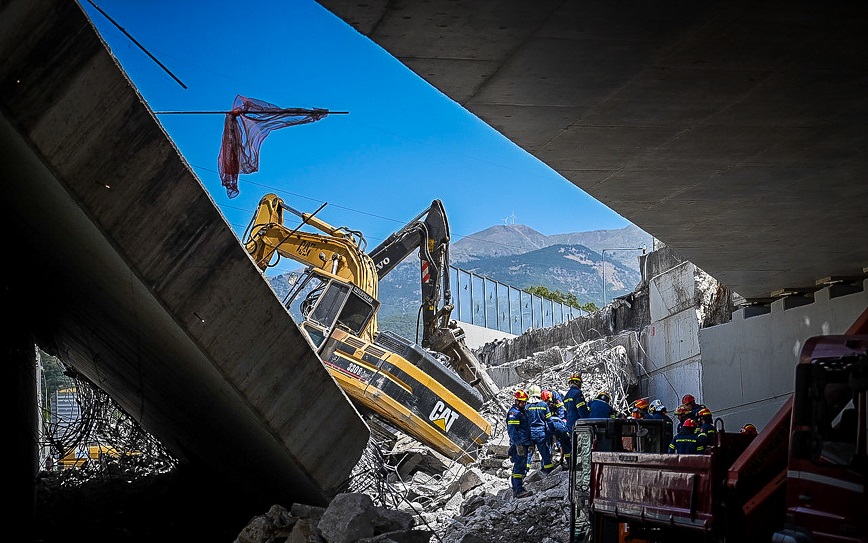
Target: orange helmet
546 395
690 423
688 398
704 412
682 410
641 403
521 395
748 429
575 378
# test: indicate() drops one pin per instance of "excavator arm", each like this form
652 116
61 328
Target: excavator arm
428 233
430 237
338 251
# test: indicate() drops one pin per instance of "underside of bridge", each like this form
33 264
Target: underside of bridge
734 132
119 263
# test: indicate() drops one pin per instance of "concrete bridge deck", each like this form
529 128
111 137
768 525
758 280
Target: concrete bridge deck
733 132
118 262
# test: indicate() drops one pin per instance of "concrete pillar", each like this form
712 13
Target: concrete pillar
20 359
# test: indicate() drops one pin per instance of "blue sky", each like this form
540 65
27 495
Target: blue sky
402 144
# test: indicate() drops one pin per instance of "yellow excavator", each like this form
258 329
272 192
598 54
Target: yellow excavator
424 390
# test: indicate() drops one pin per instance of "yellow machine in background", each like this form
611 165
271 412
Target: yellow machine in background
77 456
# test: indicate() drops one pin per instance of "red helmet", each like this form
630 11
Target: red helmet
641 403
688 398
748 429
575 378
704 412
546 395
689 423
521 395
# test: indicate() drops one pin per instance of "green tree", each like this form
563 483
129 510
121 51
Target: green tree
54 375
568 299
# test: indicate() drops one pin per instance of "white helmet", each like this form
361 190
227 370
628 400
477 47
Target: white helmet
534 390
657 406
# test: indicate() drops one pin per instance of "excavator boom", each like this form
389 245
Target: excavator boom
428 233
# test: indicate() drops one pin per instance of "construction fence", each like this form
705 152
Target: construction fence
485 302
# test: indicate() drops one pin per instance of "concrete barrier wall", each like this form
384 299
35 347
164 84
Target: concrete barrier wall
748 365
477 336
671 367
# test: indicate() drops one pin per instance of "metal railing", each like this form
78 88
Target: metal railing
485 302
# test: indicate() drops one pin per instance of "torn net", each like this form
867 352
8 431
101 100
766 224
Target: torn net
244 129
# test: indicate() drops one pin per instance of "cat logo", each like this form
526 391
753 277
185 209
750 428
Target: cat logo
442 416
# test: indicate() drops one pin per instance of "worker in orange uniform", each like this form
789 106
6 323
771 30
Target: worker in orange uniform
518 429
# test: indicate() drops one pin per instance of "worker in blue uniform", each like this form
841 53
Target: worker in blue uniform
657 411
560 438
518 429
601 407
686 441
574 402
538 415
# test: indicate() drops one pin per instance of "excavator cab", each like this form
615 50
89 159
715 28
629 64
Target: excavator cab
319 303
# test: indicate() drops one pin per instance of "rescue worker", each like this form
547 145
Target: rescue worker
682 413
690 402
639 409
538 415
657 411
518 429
601 408
574 402
705 425
686 441
556 402
560 438
748 429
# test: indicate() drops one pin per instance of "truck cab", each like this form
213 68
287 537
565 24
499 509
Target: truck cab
828 461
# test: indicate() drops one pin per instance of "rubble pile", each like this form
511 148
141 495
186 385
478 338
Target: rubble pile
349 518
453 503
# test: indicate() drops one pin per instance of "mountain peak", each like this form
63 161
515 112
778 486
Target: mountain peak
499 240
515 239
